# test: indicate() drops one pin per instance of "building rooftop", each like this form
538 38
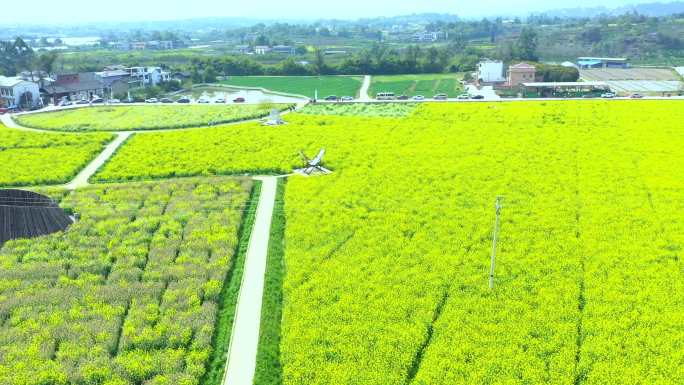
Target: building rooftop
524 66
566 84
10 81
602 58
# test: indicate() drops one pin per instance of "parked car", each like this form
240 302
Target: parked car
463 97
166 100
403 97
220 100
64 103
183 100
152 100
608 95
97 100
239 100
331 98
114 101
4 111
203 101
347 99
419 98
441 97
477 97
636 96
83 101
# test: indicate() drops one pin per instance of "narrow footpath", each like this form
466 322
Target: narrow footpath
244 342
81 180
363 93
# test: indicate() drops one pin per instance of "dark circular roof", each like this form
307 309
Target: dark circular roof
25 214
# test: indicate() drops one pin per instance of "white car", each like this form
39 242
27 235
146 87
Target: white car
608 95
152 100
347 99
203 101
114 101
419 97
220 100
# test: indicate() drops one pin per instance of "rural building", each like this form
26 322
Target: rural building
75 87
521 73
162 45
138 46
284 49
428 37
550 89
490 72
121 45
243 49
262 49
148 76
114 82
601 62
16 92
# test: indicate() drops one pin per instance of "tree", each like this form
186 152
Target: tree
527 44
319 61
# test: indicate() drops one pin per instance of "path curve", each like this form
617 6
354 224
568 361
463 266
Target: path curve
244 341
81 180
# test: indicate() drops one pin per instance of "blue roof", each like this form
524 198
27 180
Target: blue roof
589 62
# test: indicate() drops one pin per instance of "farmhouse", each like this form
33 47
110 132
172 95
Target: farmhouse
148 76
16 92
114 82
262 49
563 89
520 73
75 87
284 49
601 62
490 72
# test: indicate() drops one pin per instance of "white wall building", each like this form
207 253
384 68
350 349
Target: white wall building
490 71
17 92
148 76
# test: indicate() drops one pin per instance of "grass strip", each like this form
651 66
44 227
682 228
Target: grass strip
269 370
229 294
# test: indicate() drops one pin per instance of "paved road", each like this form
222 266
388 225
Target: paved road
245 336
486 91
81 180
363 93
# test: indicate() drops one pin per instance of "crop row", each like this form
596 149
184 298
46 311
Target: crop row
31 158
122 118
129 294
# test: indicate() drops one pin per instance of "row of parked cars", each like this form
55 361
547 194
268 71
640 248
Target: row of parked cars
183 100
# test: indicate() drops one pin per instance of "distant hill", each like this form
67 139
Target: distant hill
648 9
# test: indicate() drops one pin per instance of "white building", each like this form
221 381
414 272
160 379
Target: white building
16 92
148 76
262 49
490 71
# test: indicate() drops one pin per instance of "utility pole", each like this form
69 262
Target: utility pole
494 239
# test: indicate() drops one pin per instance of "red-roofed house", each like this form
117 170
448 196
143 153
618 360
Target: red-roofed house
521 73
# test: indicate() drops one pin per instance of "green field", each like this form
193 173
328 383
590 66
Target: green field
34 158
387 258
122 118
131 293
412 85
302 85
379 270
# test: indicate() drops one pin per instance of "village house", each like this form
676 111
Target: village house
16 92
490 72
262 49
284 50
148 76
75 87
521 73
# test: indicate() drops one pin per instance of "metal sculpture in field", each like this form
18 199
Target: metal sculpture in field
313 166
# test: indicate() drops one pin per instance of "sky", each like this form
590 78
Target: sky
79 11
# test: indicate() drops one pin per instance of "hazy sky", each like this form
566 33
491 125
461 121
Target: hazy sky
68 11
